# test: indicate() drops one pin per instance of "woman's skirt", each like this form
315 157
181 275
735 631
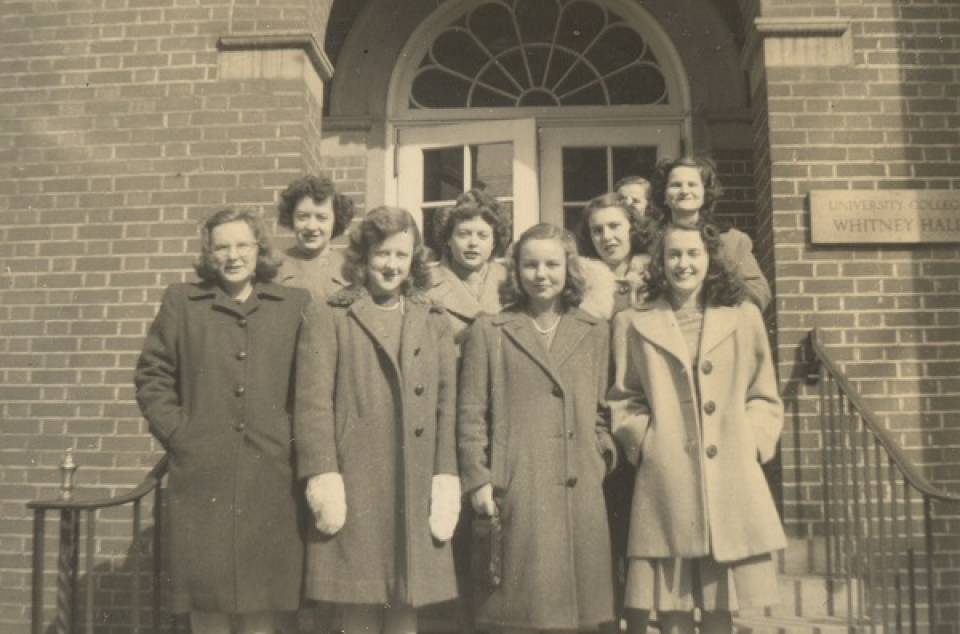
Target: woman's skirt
680 585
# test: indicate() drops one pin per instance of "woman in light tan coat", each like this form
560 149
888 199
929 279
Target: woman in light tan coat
695 406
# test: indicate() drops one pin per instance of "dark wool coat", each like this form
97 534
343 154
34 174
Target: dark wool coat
699 433
215 382
529 424
387 425
737 249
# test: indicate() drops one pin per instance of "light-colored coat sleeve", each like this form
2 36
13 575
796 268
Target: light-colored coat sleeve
445 461
473 409
737 249
764 408
314 420
157 374
630 414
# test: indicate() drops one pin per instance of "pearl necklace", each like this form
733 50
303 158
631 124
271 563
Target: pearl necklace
545 331
396 305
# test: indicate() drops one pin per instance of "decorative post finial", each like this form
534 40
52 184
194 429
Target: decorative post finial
67 470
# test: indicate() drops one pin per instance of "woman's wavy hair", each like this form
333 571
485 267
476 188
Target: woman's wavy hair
320 189
511 291
721 286
206 263
641 227
712 191
450 218
378 225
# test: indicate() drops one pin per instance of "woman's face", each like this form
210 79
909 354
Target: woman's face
471 243
235 251
685 261
542 271
637 195
610 234
684 194
388 264
313 224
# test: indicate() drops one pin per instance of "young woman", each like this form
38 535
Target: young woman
534 448
685 192
696 408
214 383
376 387
316 213
466 281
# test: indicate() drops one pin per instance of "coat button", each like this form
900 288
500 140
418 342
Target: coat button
418 390
712 451
556 391
572 481
239 390
416 352
242 322
570 434
241 355
418 432
707 367
623 287
239 427
709 407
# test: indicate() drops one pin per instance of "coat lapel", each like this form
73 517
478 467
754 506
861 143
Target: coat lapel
453 294
362 310
573 327
411 338
719 322
656 323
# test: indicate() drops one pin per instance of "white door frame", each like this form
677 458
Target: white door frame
522 133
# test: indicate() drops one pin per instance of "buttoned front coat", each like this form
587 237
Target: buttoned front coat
699 434
529 423
387 425
214 382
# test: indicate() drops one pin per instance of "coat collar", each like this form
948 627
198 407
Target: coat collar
416 315
450 291
574 326
655 321
221 301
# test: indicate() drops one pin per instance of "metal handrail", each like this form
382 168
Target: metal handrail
869 517
904 463
67 563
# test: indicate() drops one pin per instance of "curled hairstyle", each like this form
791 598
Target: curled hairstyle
449 220
708 174
641 231
721 286
206 263
320 189
632 180
378 225
511 291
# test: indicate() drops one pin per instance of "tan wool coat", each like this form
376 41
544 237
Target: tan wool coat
462 306
529 423
386 424
698 434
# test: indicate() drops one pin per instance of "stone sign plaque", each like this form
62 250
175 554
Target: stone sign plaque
883 217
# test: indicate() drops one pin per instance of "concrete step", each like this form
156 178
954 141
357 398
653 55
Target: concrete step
813 596
758 623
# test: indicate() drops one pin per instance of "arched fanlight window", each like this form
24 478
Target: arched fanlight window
535 53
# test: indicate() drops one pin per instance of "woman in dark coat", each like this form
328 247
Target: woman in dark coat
214 382
376 386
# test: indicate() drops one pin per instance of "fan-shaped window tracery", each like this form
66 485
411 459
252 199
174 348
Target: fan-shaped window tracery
534 53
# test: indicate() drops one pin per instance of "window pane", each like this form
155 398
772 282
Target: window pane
584 173
493 168
571 216
442 173
634 160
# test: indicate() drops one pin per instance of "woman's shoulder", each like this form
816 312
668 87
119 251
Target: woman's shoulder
735 240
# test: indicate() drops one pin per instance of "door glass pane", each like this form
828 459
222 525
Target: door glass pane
493 168
584 173
442 173
634 160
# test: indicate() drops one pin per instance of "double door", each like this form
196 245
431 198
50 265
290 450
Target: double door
539 172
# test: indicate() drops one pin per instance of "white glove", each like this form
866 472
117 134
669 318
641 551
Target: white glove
482 500
444 506
328 501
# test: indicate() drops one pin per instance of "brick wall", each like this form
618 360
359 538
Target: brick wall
116 136
888 121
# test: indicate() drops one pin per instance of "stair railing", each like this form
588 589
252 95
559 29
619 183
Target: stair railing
875 499
71 511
